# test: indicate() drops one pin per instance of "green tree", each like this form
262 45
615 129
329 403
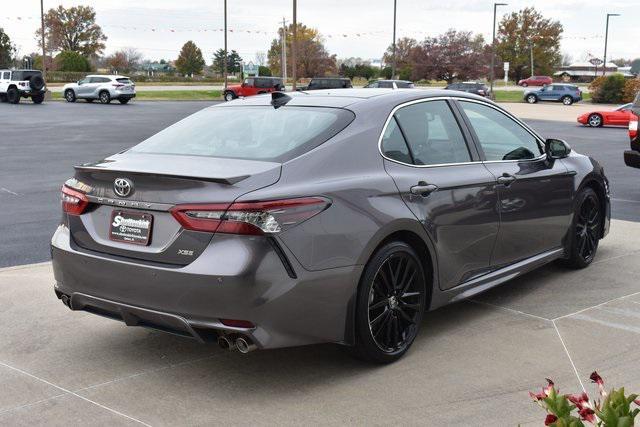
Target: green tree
72 29
609 89
264 71
519 32
7 50
68 60
312 57
404 49
190 60
234 61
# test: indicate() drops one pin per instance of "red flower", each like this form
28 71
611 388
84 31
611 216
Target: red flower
550 419
545 391
587 414
580 400
598 380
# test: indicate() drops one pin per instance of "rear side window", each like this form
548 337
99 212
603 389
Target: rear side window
252 133
501 137
6 75
433 134
405 85
394 145
386 85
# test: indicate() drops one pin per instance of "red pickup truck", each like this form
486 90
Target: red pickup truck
253 86
632 156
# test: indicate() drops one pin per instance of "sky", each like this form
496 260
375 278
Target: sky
351 28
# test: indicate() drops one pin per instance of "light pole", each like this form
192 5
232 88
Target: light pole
44 53
225 45
493 46
606 39
293 43
393 49
531 48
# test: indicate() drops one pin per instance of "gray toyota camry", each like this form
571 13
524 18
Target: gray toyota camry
332 216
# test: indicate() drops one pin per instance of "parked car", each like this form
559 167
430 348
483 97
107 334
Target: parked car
618 117
253 86
104 88
471 87
16 84
535 81
327 83
565 93
224 224
632 156
390 84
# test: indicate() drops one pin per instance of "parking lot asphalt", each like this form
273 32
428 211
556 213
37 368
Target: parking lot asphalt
44 142
472 364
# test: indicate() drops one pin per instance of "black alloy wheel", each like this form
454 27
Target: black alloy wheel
391 303
586 230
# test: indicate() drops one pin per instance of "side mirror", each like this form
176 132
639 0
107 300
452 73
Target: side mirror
556 149
79 82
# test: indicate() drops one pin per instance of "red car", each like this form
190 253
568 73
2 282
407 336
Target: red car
618 117
536 81
253 86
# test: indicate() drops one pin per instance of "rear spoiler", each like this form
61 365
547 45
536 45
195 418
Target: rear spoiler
227 181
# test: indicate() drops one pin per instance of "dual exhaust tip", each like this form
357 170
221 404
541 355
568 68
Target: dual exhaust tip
236 342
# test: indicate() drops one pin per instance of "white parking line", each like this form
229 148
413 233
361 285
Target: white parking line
568 355
74 394
8 191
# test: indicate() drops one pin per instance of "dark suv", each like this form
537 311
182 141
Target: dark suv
16 84
254 86
327 83
471 87
632 156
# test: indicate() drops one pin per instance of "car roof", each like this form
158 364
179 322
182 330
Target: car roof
340 98
114 76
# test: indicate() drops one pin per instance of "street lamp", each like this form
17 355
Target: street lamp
493 45
393 53
294 44
225 45
44 52
606 37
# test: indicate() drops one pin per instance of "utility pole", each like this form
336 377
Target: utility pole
393 54
283 53
493 46
44 52
225 46
294 43
531 48
606 39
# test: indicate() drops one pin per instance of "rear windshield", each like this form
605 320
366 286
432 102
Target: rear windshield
124 81
252 133
24 75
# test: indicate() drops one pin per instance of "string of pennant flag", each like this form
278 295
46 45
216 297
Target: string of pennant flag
272 32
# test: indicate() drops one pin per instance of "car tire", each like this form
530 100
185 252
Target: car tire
390 304
525 84
229 96
36 83
123 101
531 99
104 97
595 120
70 95
585 231
13 96
38 99
567 100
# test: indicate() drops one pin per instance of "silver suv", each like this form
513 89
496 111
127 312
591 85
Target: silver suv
101 87
16 84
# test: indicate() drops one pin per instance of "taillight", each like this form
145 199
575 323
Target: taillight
633 128
73 202
255 218
117 86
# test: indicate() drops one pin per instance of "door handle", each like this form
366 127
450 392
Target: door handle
423 189
506 179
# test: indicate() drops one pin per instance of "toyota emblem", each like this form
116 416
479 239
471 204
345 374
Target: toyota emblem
122 187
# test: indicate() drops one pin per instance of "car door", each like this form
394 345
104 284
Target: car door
441 180
535 194
84 87
545 94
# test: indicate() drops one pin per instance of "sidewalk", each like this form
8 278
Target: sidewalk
472 364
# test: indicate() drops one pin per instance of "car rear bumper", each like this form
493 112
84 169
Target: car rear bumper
632 158
237 277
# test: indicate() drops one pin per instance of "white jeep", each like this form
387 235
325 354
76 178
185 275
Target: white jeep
16 84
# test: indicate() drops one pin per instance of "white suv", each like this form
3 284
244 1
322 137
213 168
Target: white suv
16 84
101 87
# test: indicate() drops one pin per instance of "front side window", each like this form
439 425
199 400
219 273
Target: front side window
6 75
433 133
500 137
251 133
248 82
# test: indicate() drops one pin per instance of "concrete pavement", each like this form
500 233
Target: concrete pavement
472 364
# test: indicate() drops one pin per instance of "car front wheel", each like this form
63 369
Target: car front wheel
229 96
525 84
584 235
38 99
595 120
70 95
391 302
532 99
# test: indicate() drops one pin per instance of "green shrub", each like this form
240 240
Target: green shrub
72 61
631 89
608 89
